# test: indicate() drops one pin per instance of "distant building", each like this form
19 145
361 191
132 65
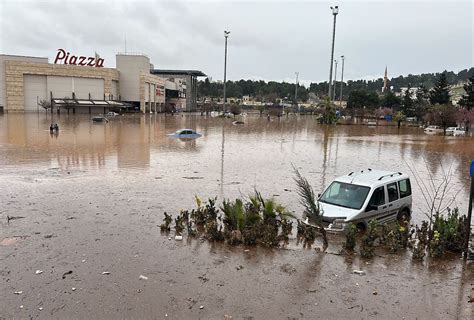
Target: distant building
413 92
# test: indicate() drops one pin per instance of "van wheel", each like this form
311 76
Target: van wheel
403 216
361 227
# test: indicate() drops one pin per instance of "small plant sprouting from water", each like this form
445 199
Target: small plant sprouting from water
396 237
367 248
165 226
351 237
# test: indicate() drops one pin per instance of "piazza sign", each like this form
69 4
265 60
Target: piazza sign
66 58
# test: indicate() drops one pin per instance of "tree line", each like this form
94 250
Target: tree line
272 90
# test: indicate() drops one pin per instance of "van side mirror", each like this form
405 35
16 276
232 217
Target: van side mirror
371 207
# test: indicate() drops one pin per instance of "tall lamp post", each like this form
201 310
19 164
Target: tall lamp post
335 11
296 88
226 35
335 78
342 81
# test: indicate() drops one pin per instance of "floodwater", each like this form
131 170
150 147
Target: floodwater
91 197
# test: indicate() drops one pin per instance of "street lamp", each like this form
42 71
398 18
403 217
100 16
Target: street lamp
226 35
335 77
296 88
335 11
342 81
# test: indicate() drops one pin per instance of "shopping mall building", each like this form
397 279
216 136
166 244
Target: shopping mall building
83 85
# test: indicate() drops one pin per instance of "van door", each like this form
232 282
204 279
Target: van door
393 203
376 206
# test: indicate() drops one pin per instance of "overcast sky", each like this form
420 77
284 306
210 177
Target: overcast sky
269 40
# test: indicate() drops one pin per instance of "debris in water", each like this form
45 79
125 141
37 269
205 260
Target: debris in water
288 268
201 307
169 238
240 267
106 272
359 272
73 289
246 250
21 307
66 273
39 271
13 218
375 293
40 308
48 236
18 292
83 260
142 277
178 238
470 299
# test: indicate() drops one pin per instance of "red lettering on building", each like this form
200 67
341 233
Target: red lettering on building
66 58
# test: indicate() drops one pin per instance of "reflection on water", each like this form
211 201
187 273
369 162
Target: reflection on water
259 153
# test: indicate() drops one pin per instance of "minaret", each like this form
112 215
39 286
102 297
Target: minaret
385 81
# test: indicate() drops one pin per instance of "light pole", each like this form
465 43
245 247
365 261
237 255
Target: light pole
335 11
226 35
334 86
342 81
296 88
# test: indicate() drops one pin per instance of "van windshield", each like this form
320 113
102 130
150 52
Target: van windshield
345 195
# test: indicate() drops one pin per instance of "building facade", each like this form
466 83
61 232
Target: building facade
27 81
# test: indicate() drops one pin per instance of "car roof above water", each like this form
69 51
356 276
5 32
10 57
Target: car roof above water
371 178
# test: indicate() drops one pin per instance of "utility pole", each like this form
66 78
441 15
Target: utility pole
469 211
226 35
335 11
296 89
334 86
342 81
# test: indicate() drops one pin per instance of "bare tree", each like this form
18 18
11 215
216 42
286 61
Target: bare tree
438 195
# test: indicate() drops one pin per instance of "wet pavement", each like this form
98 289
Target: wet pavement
91 200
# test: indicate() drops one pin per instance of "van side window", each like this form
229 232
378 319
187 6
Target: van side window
392 192
378 197
405 188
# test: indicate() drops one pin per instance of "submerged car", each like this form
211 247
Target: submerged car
459 132
185 133
433 129
359 197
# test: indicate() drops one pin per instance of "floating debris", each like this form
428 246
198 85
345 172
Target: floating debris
201 307
142 277
39 271
18 292
359 272
240 267
66 273
106 272
73 289
178 238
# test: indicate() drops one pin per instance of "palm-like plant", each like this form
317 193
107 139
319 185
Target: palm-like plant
310 203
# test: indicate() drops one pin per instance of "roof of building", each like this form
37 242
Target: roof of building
195 73
369 177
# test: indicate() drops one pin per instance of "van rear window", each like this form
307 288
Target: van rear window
405 188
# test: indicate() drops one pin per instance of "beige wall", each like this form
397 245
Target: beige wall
15 71
3 58
148 84
130 67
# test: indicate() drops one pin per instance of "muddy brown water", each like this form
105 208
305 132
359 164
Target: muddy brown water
92 196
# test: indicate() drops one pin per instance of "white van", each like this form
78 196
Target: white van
365 195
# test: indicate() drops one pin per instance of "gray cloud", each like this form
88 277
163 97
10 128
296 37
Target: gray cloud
269 39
